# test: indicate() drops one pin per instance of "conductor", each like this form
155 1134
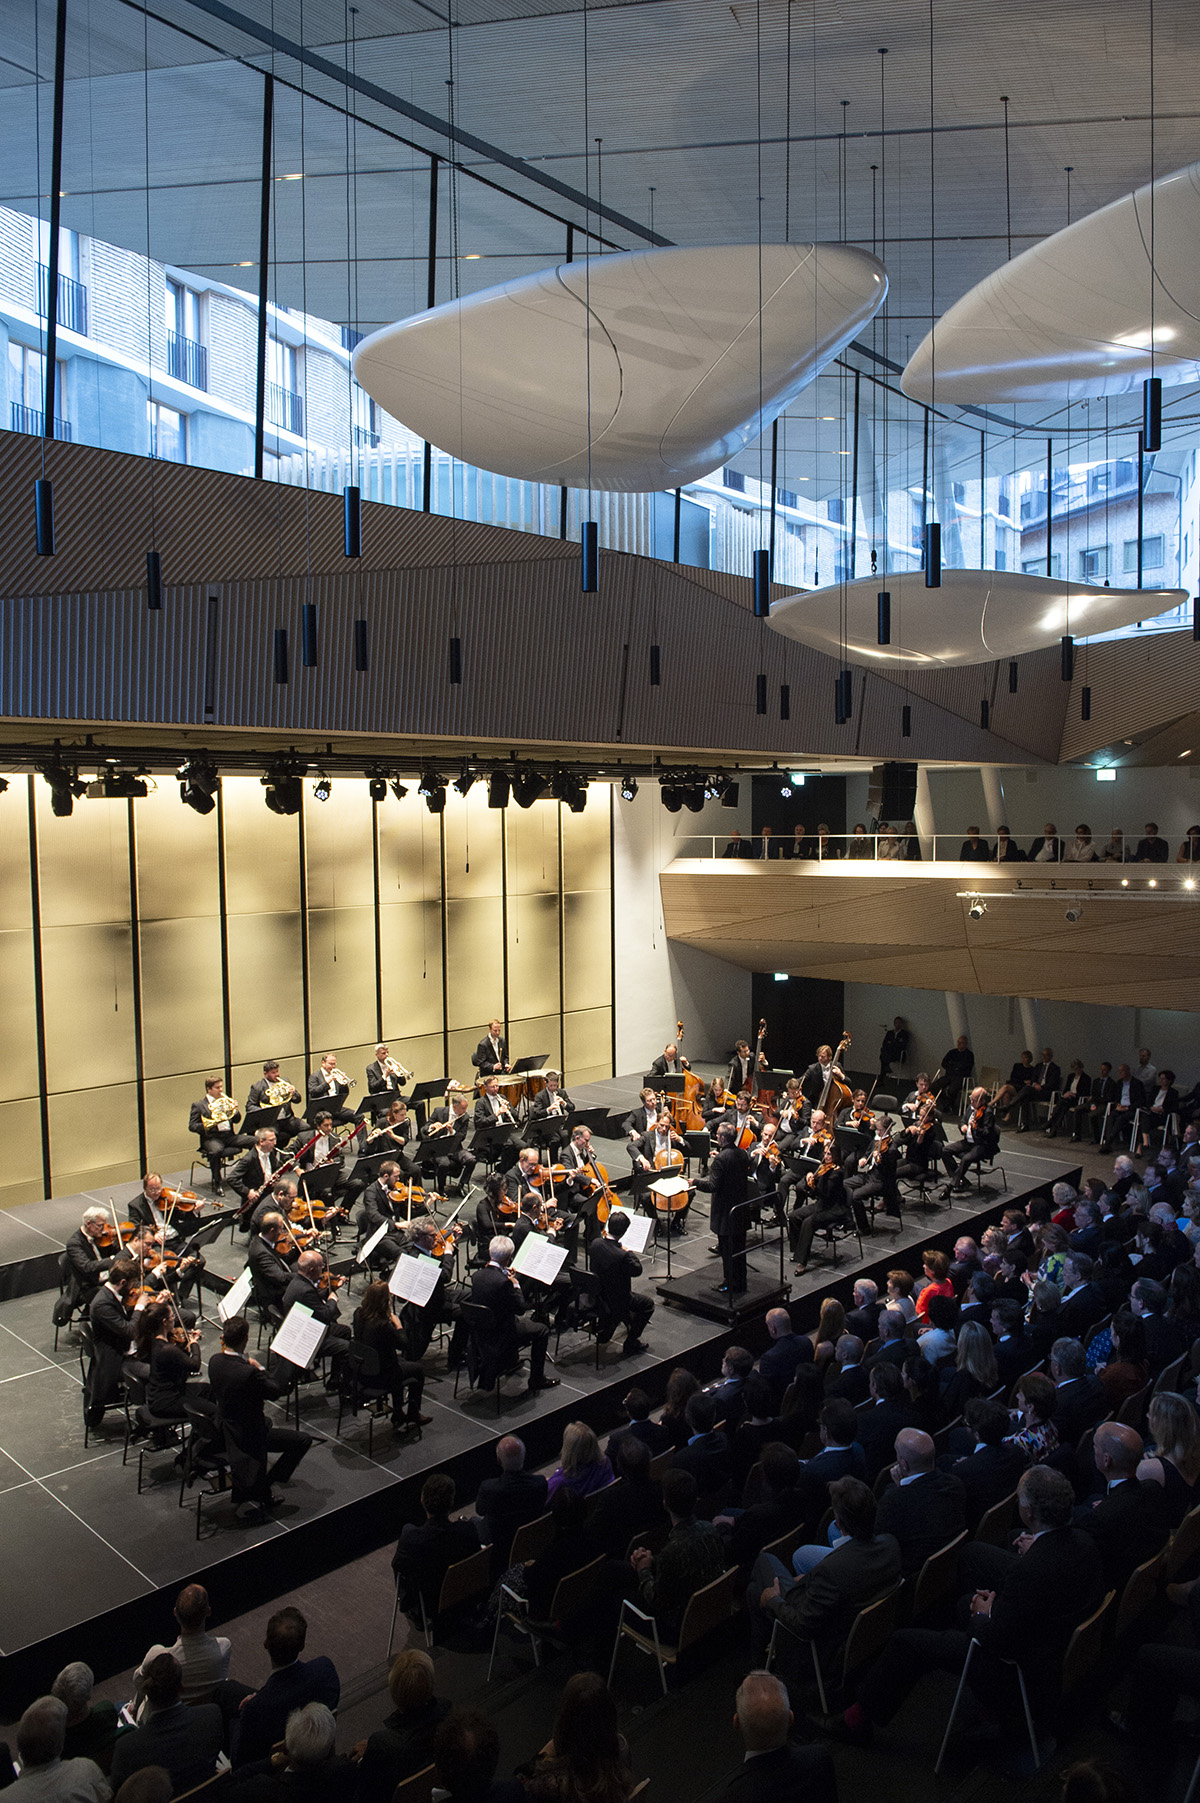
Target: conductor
727 1181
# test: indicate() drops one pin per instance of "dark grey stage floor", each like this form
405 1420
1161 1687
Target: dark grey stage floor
79 1542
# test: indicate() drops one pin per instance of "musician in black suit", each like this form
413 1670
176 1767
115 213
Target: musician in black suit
213 1119
741 1067
384 1075
550 1104
613 1271
671 1062
251 1176
728 1183
270 1270
240 1387
445 1143
775 1770
821 1205
492 1111
305 1288
979 1140
818 1074
378 1208
272 1085
397 1135
639 1120
663 1137
491 1054
111 1321
322 1169
498 1290
87 1258
328 1088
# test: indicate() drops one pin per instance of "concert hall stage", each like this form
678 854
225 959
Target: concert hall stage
90 1567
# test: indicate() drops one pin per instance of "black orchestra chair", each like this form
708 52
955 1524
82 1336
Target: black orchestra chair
120 1398
485 1369
359 1388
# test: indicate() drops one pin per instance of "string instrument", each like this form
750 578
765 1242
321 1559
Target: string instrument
607 1199
547 1221
671 1158
836 1094
864 1122
445 1240
925 1114
545 1174
327 1282
111 1235
183 1201
828 1163
765 1096
746 1135
883 1145
299 1241
685 1109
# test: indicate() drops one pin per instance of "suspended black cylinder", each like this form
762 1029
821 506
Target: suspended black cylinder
1152 413
43 513
1085 703
1196 619
933 555
906 723
839 702
847 681
456 660
590 560
362 656
655 666
985 713
352 506
884 633
785 701
308 635
760 694
762 584
281 654
1068 657
1014 671
153 582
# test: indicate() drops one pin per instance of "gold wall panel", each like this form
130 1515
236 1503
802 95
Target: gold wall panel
337 842
341 977
474 960
410 942
532 955
83 861
587 949
93 1137
423 1056
14 865
532 848
168 1102
533 1034
21 1137
409 850
176 857
18 1013
265 998
262 851
588 1045
181 996
462 1044
473 840
586 838
89 1041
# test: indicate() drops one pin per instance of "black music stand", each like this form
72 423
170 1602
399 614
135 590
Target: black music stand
489 1142
595 1118
757 1202
263 1117
423 1093
334 1105
773 1079
380 1101
671 1085
204 1236
523 1065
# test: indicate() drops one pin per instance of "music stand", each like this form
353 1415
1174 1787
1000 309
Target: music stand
380 1102
422 1093
546 1128
263 1117
535 1063
491 1141
671 1085
204 1236
595 1118
653 1177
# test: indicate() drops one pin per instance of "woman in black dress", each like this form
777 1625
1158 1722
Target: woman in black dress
377 1327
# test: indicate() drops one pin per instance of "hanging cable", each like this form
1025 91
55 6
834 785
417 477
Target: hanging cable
1007 182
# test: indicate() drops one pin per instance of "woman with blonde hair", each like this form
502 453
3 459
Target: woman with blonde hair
974 1372
829 1329
582 1467
1175 1463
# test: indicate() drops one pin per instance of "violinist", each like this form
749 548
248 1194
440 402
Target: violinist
717 1101
213 1119
809 1150
141 1209
376 1326
492 1110
766 1161
162 1275
551 1104
90 1251
498 1289
305 1287
283 1196
672 1063
639 1121
174 1358
818 1073
917 1098
379 1205
271 1268
980 1140
828 1204
111 1321
876 1174
445 1139
522 1179
488 1220
857 1115
274 1091
554 1299
792 1110
251 1176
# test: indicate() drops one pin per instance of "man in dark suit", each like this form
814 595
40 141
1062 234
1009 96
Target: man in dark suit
1014 1355
1083 1304
817 1075
863 1318
706 1456
1128 1520
1024 1605
111 1319
774 1769
727 1182
1048 849
550 1107
446 1152
1073 1102
639 1120
1043 1084
924 1508
893 1342
250 1177
305 1288
840 1456
890 1411
993 1470
852 1381
426 1550
1164 1341
287 1125
639 1427
1151 849
737 846
492 1113
508 1501
613 1272
786 1353
1104 1092
87 1259
632 1506
327 1089
271 1271
491 1054
183 1738
820 1607
511 1326
214 1122
979 1141
1081 1399
382 1079
671 1062
240 1387
294 1682
378 1210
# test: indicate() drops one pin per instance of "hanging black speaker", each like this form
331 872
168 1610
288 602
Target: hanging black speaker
884 634
455 660
933 555
43 515
785 701
1152 414
281 654
1014 671
352 507
760 694
1068 657
1196 619
590 559
153 582
1085 703
762 584
847 681
308 635
655 666
839 702
362 660
985 713
906 723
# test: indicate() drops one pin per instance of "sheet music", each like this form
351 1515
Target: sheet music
368 1246
539 1258
236 1296
299 1339
415 1278
637 1233
669 1186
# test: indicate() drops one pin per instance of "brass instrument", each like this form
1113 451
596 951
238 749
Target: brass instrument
278 1094
223 1110
396 1069
342 1080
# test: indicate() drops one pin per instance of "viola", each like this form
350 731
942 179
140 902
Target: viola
105 1237
327 1281
445 1240
924 1120
183 1201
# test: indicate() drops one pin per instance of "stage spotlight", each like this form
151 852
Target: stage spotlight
198 783
693 797
1189 882
1153 883
498 789
322 788
785 789
433 787
729 795
465 778
281 785
629 788
1074 911
977 910
671 796
65 787
576 800
527 785
377 788
398 789
3 784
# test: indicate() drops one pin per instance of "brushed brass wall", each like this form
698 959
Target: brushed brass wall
145 947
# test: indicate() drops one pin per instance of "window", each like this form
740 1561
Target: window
71 311
350 338
1093 564
281 364
785 497
835 509
1036 566
735 480
1001 560
365 418
1152 553
284 405
27 392
1004 506
168 432
796 531
187 356
960 491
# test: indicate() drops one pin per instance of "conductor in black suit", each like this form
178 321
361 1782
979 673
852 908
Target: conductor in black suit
775 1769
240 1387
613 1271
728 1182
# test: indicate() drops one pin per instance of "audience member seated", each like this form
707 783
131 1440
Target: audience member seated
587 1759
184 1740
850 1380
1175 1461
681 1387
582 1467
1128 1519
923 1508
937 1270
775 1769
893 1342
1126 1370
759 1424
639 1426
876 1427
203 1657
570 1549
1011 1350
736 1367
862 1318
1164 1341
974 1374
1080 1400
993 1469
403 1743
426 1550
840 1456
1035 1434
46 1776
260 1716
633 1505
506 1502
706 1456
937 1342
1045 1323
308 1769
820 1606
91 1726
777 1511
466 1752
694 1554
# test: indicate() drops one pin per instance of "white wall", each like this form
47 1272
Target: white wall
656 983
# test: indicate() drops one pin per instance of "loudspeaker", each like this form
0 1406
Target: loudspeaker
898 792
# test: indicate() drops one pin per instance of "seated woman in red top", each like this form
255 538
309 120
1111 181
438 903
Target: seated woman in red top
937 1269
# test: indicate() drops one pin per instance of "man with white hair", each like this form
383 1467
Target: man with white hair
497 1288
774 1769
91 1727
862 1318
87 1257
46 1777
308 1741
515 1496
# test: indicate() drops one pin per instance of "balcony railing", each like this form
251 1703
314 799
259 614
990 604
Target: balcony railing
366 439
28 419
72 300
187 361
285 408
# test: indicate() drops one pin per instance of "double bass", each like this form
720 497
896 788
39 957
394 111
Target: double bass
685 1109
764 1097
836 1094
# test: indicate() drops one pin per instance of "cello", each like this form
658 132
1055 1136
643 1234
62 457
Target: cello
836 1094
685 1109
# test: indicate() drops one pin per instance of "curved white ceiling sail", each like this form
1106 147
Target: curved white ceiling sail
1071 316
500 378
973 618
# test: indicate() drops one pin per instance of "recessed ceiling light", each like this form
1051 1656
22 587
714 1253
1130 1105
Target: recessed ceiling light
827 416
472 256
297 177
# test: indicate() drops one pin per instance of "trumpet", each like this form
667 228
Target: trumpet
342 1080
223 1110
396 1069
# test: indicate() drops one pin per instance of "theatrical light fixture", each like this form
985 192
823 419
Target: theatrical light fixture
377 788
628 788
977 910
398 790
498 789
198 783
527 785
281 785
670 796
65 787
117 785
1124 882
796 778
729 795
433 787
1153 883
465 778
3 784
1189 882
785 789
322 788
1074 911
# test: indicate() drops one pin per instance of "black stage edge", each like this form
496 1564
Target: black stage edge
26 1276
117 1638
697 1292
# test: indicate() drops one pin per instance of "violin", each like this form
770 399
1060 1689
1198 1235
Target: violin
924 1120
828 1161
183 1201
297 1242
327 1282
105 1237
445 1240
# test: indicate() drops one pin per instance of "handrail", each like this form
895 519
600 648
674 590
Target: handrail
898 846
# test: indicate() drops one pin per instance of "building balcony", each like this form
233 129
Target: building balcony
187 361
29 420
72 301
285 408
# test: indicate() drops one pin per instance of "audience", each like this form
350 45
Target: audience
203 1657
46 1776
586 1760
466 1752
91 1727
308 1769
582 1466
692 1557
260 1716
775 1769
507 1502
403 1743
185 1740
426 1550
